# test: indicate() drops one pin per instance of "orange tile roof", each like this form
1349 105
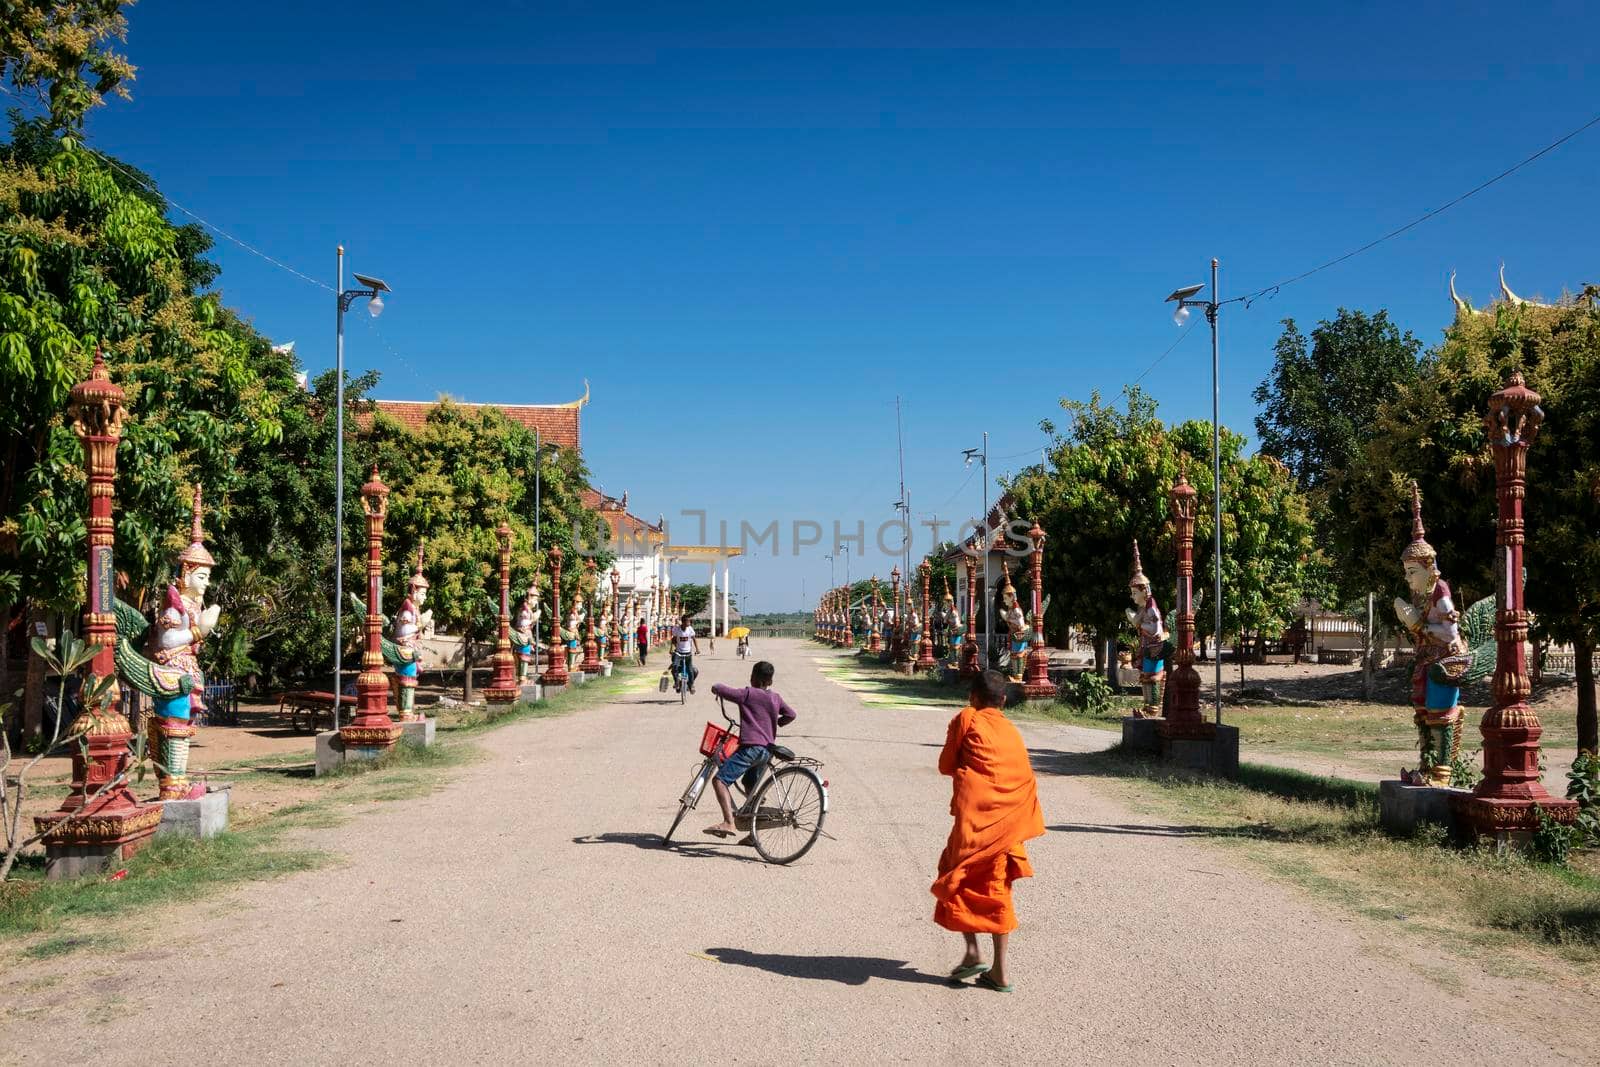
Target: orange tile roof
557 424
624 524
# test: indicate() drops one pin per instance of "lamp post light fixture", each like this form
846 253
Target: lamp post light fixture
1186 298
373 289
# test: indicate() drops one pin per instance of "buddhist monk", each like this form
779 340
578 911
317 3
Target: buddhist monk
996 809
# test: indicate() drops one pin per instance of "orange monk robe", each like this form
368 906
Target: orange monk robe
996 809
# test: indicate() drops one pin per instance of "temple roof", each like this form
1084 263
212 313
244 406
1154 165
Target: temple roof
624 525
557 424
996 521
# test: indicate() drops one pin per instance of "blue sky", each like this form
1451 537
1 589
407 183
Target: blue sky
760 223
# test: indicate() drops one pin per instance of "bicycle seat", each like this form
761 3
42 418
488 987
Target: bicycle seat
780 753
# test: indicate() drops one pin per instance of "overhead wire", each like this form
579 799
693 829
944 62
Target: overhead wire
144 179
1249 298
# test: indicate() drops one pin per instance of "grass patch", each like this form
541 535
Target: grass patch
62 945
167 869
1324 834
1060 711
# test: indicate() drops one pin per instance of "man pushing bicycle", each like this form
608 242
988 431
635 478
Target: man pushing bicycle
761 712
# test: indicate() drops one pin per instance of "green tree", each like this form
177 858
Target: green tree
86 256
453 482
1320 404
695 596
1432 431
1106 484
63 52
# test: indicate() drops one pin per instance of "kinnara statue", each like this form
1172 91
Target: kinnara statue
525 632
1154 644
182 623
949 628
572 632
1446 657
1014 653
403 653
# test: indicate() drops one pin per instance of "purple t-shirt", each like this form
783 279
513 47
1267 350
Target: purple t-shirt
761 712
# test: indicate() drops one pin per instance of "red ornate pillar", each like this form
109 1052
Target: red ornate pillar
555 671
969 643
1038 685
897 634
591 648
115 825
614 651
1183 718
372 729
925 660
1504 802
849 635
503 689
874 624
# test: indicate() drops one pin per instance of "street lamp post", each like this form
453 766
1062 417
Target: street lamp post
849 625
373 289
1185 299
981 455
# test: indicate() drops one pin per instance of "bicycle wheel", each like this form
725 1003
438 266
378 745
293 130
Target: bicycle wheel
788 815
683 688
691 797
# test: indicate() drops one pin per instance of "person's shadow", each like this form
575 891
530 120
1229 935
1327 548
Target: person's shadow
846 970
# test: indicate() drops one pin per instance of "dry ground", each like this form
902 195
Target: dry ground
528 912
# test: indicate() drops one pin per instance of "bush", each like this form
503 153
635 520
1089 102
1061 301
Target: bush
1551 841
1088 692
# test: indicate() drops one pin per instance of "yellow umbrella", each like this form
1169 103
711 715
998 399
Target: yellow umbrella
738 632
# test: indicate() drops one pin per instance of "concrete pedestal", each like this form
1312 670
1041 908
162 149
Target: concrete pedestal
577 677
330 752
419 732
74 861
204 817
546 691
605 669
1402 808
1141 736
1218 755
531 693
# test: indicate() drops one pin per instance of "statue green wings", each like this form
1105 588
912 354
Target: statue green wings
393 654
1477 626
145 675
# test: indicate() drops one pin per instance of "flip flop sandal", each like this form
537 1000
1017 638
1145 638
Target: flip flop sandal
714 832
970 970
989 983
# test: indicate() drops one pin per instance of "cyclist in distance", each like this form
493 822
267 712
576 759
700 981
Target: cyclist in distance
761 712
685 646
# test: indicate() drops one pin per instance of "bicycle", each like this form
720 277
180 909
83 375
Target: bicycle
783 810
680 676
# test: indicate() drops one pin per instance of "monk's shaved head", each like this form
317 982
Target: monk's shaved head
989 690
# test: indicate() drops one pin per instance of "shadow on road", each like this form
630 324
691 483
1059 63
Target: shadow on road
846 970
1138 831
1075 764
654 843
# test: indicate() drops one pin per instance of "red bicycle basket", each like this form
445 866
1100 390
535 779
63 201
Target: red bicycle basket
716 737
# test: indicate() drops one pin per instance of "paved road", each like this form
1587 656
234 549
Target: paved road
540 918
